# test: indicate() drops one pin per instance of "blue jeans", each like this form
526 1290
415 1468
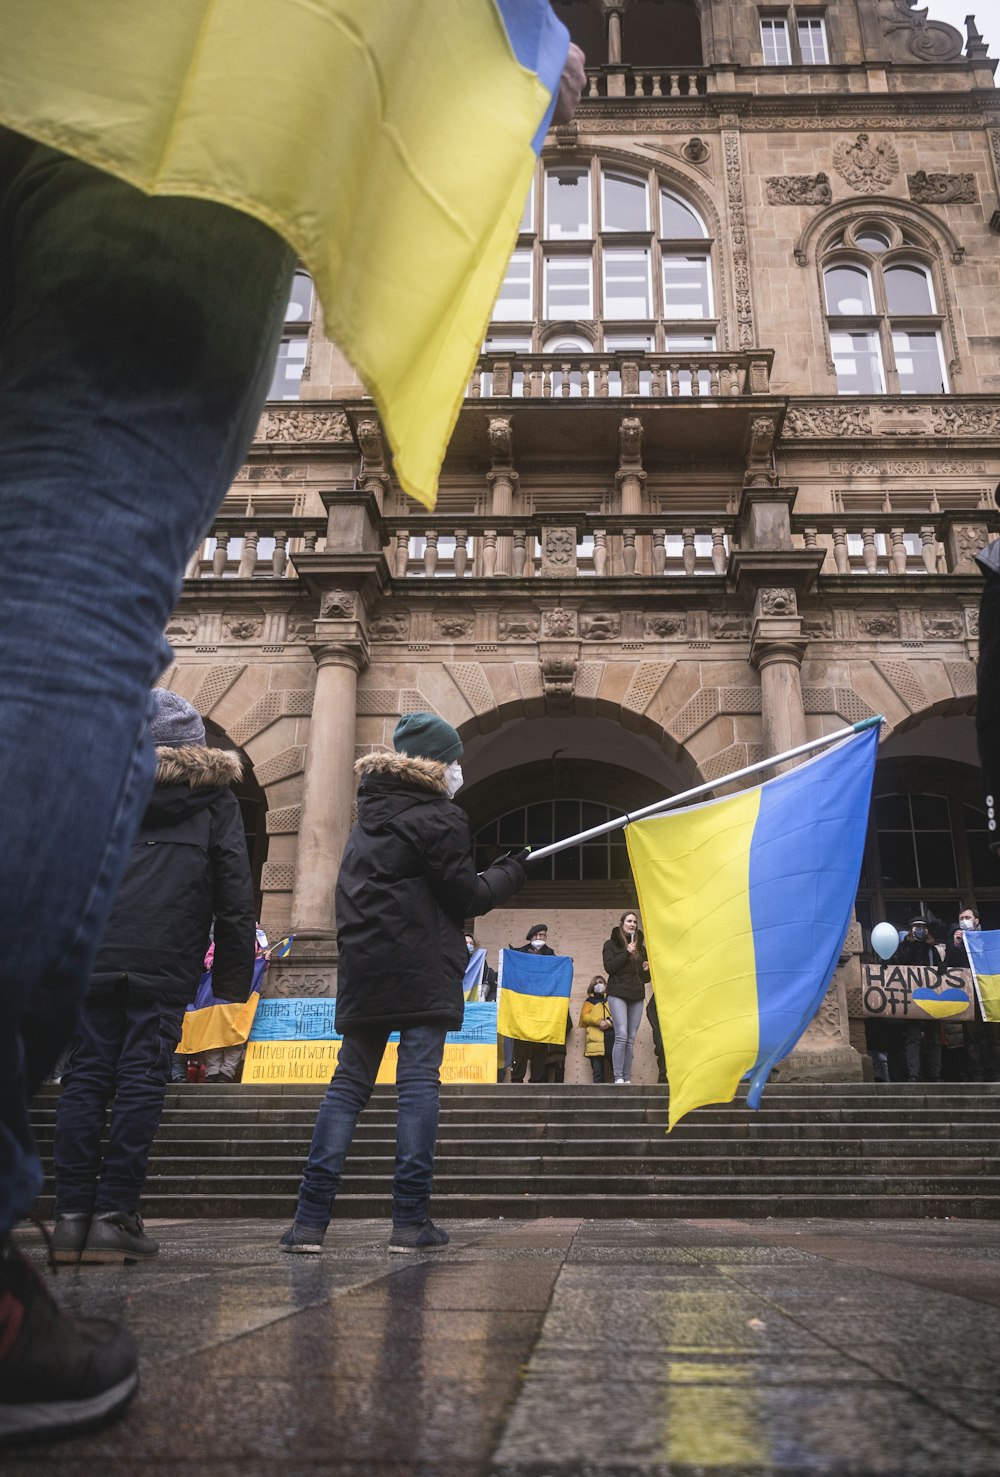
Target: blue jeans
137 338
122 1054
418 1083
627 1016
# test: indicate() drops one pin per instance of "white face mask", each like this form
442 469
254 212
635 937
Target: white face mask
537 943
969 923
453 778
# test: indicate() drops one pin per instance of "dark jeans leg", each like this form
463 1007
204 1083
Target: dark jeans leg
597 1067
88 1087
349 1091
519 1061
418 1088
136 343
911 1049
151 1036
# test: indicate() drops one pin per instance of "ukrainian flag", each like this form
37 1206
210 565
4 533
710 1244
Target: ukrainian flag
533 996
983 950
745 904
390 142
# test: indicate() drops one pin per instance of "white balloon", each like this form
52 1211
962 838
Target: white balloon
885 940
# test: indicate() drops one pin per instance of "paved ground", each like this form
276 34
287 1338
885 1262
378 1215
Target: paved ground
556 1349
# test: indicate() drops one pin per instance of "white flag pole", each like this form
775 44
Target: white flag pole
725 779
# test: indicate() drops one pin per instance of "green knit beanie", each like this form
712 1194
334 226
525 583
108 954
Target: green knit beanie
426 736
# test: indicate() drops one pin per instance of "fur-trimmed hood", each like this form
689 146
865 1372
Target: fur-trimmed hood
188 779
197 767
404 769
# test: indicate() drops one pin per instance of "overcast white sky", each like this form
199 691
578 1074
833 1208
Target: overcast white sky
987 13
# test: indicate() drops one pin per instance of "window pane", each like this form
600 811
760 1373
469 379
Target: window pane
872 240
892 812
857 362
507 343
677 220
812 41
528 214
566 865
930 813
908 290
678 341
510 829
899 867
286 382
624 203
514 300
936 859
299 308
918 362
774 40
567 205
642 341
848 290
595 862
568 287
686 291
539 823
626 284
567 817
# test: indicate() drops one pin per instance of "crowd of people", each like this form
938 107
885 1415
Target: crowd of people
922 1050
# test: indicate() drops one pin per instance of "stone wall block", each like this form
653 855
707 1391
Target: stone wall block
282 766
284 821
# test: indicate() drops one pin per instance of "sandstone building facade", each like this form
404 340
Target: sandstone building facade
715 488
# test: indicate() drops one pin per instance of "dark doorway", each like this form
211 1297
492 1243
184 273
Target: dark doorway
253 806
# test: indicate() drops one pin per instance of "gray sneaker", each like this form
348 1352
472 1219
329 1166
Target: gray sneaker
302 1239
69 1236
425 1237
116 1237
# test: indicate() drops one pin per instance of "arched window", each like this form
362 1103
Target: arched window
286 382
616 249
882 314
603 859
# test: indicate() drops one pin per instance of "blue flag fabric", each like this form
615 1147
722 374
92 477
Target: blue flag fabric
533 996
474 974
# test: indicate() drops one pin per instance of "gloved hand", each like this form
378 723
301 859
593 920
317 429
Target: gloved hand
521 856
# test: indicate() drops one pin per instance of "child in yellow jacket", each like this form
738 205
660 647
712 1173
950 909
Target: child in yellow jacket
596 1017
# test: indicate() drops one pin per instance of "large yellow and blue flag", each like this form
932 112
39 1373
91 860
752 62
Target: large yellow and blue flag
983 950
533 996
745 904
390 142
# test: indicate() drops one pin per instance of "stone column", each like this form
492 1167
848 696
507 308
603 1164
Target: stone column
502 485
629 480
328 793
613 17
776 649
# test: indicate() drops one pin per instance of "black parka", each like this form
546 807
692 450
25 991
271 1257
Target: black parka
406 887
626 977
188 866
988 682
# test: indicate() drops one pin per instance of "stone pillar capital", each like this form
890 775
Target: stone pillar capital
629 474
353 655
505 476
768 646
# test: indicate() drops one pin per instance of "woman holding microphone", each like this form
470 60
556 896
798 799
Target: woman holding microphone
627 969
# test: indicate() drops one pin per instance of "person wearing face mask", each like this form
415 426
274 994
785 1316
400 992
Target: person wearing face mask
917 949
982 1038
627 967
534 1053
406 885
488 983
595 1017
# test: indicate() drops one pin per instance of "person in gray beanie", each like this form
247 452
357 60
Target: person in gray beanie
407 884
188 869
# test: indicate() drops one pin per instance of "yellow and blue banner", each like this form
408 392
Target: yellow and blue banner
211 1023
474 974
296 1040
533 996
745 903
391 144
983 950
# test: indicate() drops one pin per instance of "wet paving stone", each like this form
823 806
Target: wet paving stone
554 1349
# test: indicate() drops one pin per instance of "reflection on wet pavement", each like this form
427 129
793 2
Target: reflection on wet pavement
555 1349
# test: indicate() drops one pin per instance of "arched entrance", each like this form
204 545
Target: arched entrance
253 806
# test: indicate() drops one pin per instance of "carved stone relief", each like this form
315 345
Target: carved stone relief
828 420
928 41
558 677
818 625
514 627
391 627
559 623
304 425
944 626
666 625
501 438
799 189
600 626
453 626
338 605
867 167
559 547
182 628
882 623
942 189
729 626
965 420
737 223
776 601
242 628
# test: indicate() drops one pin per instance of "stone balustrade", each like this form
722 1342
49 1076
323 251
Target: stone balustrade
602 376
626 81
883 543
255 547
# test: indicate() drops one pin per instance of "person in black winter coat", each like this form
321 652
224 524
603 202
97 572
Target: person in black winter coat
535 1054
988 682
188 867
406 885
917 949
627 968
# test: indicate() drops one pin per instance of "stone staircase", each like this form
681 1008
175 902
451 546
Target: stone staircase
851 1149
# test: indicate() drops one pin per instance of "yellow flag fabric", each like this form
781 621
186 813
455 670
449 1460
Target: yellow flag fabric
388 141
983 950
218 1025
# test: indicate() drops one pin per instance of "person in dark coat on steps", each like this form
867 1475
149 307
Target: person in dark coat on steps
406 885
532 1053
188 867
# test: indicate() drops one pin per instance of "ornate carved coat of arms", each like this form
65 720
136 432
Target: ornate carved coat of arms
865 166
